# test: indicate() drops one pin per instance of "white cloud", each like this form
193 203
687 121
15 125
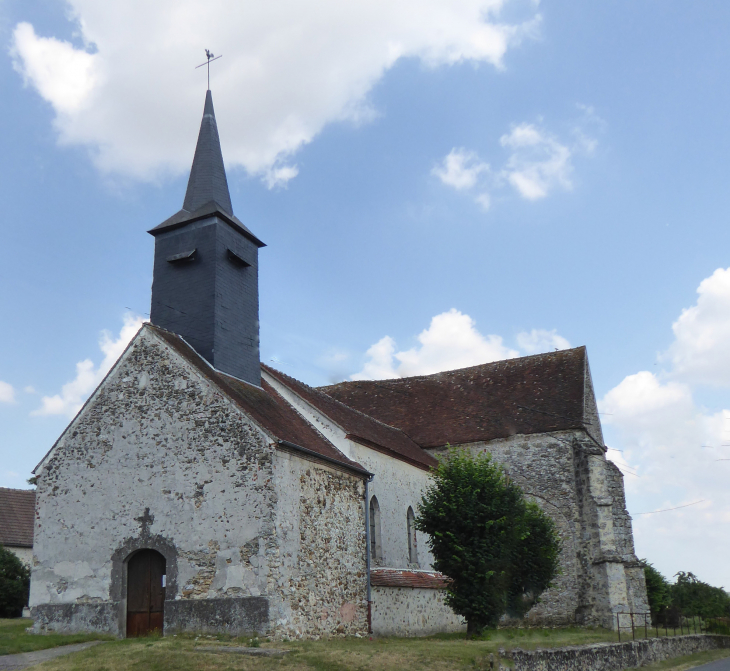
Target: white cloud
679 450
381 365
129 92
538 162
63 75
7 392
540 340
700 352
73 394
451 341
460 169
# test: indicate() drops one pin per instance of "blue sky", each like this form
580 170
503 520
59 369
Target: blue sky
439 184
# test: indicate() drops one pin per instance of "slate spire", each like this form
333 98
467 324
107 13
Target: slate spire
208 175
205 279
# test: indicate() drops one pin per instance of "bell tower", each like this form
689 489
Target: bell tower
205 279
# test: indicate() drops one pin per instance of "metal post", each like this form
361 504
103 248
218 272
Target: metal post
618 626
367 553
646 634
633 632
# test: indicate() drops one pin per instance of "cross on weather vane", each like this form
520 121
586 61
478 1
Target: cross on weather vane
211 57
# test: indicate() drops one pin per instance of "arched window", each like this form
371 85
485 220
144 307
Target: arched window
376 548
412 541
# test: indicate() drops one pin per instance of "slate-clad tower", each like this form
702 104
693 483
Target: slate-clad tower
205 281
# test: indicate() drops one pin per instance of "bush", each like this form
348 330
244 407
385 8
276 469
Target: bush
499 551
694 597
14 584
720 625
657 592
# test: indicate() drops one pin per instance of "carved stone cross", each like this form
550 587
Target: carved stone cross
145 521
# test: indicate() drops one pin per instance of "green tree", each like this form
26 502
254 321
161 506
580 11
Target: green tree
694 597
657 590
14 584
499 550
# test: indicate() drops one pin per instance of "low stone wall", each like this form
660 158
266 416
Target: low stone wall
408 611
614 656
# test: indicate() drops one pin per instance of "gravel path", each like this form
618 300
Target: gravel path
26 659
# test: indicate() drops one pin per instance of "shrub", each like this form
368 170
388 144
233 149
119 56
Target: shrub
500 551
14 584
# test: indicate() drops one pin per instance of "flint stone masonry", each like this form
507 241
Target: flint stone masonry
255 538
319 556
407 611
614 656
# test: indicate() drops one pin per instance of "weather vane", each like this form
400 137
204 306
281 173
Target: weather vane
211 57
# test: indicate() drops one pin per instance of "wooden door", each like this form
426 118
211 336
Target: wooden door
145 593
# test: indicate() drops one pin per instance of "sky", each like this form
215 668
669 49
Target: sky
440 184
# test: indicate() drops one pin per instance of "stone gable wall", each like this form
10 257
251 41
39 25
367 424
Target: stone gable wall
156 441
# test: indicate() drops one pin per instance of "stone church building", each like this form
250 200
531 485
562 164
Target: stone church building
200 490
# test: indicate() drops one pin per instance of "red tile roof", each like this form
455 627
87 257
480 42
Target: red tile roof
17 515
532 394
263 405
390 577
360 427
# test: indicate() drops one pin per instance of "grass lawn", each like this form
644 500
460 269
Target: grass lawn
381 654
14 638
183 653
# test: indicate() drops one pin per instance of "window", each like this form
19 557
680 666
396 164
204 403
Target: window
376 549
412 541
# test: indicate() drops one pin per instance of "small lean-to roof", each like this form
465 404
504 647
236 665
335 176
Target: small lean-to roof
391 577
532 394
359 426
17 516
263 405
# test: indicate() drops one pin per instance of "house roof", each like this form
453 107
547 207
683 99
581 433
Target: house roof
17 516
262 404
359 426
532 394
389 577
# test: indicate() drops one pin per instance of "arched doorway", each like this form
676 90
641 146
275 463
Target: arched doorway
145 593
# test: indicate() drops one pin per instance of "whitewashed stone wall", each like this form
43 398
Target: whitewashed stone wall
254 538
407 611
155 437
24 554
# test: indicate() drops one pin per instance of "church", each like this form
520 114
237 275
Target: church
199 490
